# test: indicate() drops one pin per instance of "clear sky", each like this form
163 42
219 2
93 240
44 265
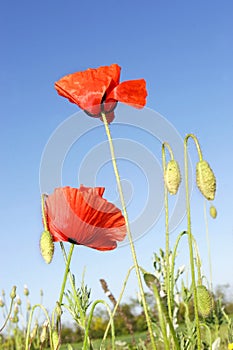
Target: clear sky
183 49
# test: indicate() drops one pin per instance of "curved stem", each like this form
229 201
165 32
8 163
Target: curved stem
198 147
190 240
8 316
30 321
145 307
173 265
85 343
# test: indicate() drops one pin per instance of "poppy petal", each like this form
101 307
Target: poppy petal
87 88
131 92
83 217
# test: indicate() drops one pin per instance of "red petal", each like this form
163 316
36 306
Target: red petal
87 88
84 217
131 92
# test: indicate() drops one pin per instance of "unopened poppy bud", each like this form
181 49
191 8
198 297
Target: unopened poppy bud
213 212
28 305
1 303
15 319
18 300
26 290
13 292
204 300
47 246
55 338
34 331
43 334
172 176
205 179
16 310
58 310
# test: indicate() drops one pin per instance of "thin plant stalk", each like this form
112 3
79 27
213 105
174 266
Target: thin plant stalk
86 338
190 239
145 307
30 321
208 245
118 302
173 265
82 316
67 269
8 315
167 249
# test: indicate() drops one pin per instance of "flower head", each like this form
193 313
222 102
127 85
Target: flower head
82 216
98 90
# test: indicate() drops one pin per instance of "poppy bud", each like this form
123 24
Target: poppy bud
172 176
55 338
26 290
47 246
205 179
204 300
13 292
15 319
34 331
43 334
1 303
28 306
58 309
213 212
18 301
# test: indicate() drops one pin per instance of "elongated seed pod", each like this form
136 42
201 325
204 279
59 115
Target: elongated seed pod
172 176
205 301
205 180
47 246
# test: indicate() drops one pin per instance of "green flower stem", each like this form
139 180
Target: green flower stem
29 325
86 338
173 265
208 245
167 250
161 317
148 320
67 269
118 302
82 316
8 315
43 213
190 240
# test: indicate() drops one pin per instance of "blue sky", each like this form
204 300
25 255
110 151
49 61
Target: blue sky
184 52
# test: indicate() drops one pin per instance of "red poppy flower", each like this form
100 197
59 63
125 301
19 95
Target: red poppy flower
99 90
82 216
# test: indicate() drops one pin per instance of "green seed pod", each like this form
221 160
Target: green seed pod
172 176
26 290
55 338
47 246
15 319
205 180
204 300
213 212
